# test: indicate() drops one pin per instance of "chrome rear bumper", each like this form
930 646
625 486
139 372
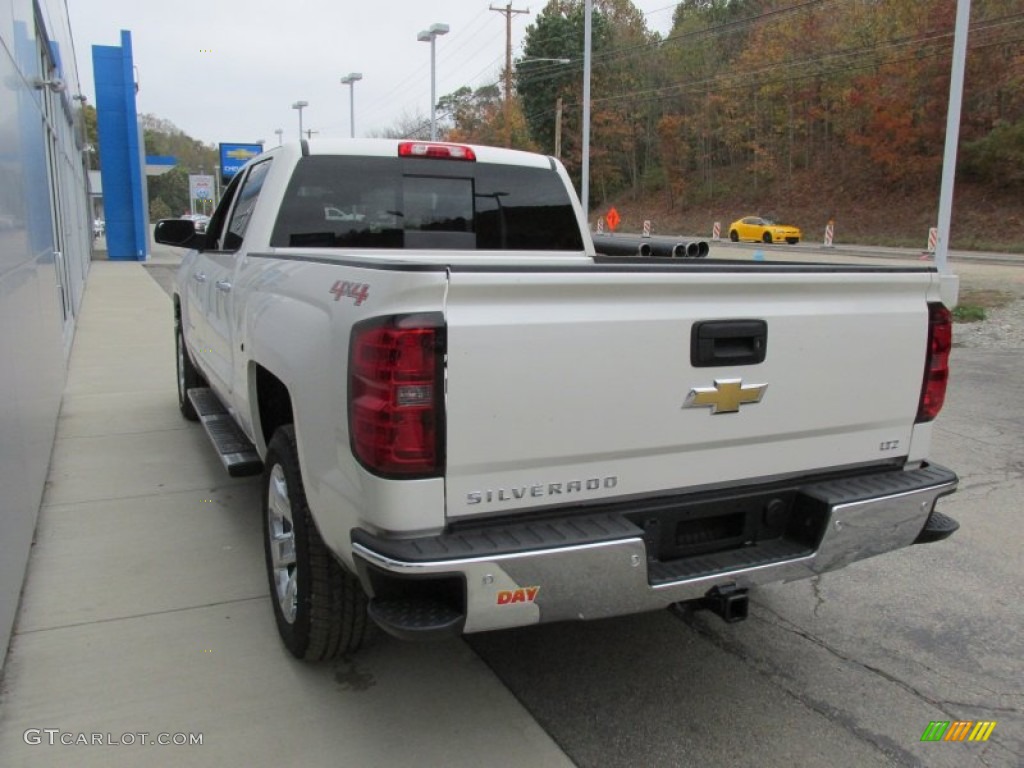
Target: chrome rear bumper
612 574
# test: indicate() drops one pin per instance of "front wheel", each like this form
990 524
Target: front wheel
188 376
319 607
734 236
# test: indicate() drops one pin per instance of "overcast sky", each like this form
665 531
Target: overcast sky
229 70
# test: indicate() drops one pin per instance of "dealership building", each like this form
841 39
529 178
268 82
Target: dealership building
45 251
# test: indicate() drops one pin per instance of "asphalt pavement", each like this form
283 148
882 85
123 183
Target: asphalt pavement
145 610
844 670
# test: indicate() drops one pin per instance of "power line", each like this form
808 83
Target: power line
834 62
930 45
721 82
932 38
466 37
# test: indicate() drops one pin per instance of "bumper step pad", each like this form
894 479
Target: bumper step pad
237 454
412 618
938 527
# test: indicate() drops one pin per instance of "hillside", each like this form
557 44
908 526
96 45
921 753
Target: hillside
983 219
808 111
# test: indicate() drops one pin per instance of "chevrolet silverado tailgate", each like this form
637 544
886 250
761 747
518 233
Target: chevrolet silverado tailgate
573 385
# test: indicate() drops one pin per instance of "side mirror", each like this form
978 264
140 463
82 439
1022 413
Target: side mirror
181 233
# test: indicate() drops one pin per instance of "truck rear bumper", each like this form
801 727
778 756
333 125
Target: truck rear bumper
612 561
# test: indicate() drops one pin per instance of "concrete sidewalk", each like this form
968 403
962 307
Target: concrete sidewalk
146 611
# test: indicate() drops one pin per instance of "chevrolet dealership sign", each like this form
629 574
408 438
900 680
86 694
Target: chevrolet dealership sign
234 156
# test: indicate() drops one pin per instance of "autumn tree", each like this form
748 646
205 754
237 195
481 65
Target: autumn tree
781 100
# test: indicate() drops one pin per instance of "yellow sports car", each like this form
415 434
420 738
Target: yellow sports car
763 230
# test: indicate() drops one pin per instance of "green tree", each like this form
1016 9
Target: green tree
92 136
158 209
998 157
168 193
623 53
557 33
162 137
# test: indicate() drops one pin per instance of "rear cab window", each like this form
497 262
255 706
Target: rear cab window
380 202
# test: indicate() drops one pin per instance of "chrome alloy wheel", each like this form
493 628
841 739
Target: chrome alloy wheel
281 532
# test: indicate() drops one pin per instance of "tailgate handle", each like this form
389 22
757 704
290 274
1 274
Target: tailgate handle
728 342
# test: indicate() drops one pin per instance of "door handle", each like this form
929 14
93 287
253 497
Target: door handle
728 343
223 285
199 277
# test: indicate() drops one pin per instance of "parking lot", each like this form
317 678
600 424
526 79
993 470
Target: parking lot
145 610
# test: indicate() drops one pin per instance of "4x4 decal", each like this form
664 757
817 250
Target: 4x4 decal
358 291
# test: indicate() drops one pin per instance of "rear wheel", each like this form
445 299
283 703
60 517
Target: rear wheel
319 607
792 240
767 237
188 376
734 236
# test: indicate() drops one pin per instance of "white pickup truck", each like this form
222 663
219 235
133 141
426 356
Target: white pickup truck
466 419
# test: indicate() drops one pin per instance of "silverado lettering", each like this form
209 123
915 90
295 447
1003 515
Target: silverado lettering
541 489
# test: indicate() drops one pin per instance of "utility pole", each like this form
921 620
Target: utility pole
558 128
508 10
309 133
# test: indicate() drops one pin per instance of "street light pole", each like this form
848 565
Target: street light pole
585 170
300 105
279 132
956 87
350 80
429 36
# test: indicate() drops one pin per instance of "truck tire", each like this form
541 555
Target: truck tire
319 606
188 376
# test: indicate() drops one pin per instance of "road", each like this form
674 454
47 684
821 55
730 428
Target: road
845 670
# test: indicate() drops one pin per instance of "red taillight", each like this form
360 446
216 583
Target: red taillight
936 364
396 391
444 151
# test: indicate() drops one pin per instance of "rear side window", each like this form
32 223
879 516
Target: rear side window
380 202
247 198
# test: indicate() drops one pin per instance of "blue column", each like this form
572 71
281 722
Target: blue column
121 152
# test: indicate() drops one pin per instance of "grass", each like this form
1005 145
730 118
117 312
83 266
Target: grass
974 303
968 313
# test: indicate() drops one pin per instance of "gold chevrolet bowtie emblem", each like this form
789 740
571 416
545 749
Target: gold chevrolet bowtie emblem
726 396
